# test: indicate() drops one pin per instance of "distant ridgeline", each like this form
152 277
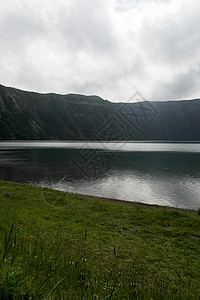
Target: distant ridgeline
28 115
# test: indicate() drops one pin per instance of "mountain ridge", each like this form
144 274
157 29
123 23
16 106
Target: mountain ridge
36 116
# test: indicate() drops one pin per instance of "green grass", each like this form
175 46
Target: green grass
55 245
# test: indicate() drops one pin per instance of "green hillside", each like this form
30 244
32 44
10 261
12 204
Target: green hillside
28 115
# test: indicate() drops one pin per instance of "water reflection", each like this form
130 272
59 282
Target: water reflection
165 178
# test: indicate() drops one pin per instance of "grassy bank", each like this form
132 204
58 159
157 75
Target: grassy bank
55 245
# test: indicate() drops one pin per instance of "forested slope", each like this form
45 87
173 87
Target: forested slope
28 115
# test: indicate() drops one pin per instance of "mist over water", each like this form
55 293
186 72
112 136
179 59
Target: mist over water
154 173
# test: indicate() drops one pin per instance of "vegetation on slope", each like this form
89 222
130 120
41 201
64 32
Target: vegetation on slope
55 245
28 115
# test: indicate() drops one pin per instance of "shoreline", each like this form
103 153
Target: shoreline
134 203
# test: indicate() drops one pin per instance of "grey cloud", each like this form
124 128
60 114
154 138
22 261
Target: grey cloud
180 87
105 47
87 26
19 25
172 37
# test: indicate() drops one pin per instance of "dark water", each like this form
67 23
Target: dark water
156 173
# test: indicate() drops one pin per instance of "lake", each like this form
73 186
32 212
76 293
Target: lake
147 172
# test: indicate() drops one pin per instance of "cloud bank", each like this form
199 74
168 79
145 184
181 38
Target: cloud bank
111 48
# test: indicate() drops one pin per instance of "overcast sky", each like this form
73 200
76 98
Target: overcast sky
111 48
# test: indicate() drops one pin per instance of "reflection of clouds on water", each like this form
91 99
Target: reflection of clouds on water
178 191
151 188
129 187
163 178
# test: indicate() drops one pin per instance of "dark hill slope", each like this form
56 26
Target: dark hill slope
28 115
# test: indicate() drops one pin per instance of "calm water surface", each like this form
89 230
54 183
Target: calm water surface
155 173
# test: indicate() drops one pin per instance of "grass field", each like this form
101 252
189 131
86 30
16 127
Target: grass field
55 245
